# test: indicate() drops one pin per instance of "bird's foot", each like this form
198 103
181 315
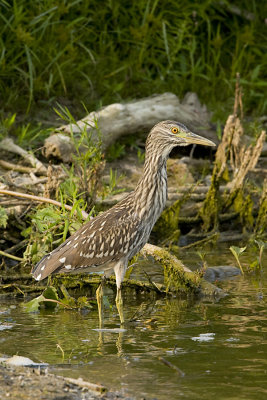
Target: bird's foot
119 304
99 299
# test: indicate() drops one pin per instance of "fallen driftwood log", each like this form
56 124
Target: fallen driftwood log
179 278
119 119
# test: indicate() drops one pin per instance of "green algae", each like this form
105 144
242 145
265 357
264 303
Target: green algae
212 204
243 205
176 278
261 222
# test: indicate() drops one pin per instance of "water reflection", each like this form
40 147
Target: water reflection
221 346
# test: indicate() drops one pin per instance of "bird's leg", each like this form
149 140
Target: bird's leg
120 269
119 304
99 299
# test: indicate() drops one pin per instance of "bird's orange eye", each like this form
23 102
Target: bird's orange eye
174 130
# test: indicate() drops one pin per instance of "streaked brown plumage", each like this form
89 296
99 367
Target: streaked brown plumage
109 240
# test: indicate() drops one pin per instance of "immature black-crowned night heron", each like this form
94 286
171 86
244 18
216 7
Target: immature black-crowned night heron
111 239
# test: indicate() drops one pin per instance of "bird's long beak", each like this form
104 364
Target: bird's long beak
192 138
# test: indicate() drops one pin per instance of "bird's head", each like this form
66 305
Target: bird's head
168 134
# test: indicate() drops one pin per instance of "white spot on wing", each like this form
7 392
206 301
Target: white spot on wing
62 260
68 266
39 277
89 255
75 245
43 267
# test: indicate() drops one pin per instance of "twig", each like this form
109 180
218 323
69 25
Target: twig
207 239
59 302
152 283
17 246
15 167
172 366
84 384
40 199
14 203
12 285
3 253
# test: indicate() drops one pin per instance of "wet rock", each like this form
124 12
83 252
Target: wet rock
221 272
19 361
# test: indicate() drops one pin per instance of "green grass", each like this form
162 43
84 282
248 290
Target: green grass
102 52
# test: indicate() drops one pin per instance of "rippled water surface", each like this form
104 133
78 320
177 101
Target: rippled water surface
219 347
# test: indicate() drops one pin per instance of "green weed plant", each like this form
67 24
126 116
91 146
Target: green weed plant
49 225
123 50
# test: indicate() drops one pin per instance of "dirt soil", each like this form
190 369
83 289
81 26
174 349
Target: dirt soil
24 383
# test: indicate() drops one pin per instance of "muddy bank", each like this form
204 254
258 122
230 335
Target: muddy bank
23 383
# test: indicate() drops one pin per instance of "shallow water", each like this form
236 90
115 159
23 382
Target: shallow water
220 347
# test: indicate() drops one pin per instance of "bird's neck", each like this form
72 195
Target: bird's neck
151 191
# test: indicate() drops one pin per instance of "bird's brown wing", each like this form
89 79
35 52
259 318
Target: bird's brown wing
104 239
